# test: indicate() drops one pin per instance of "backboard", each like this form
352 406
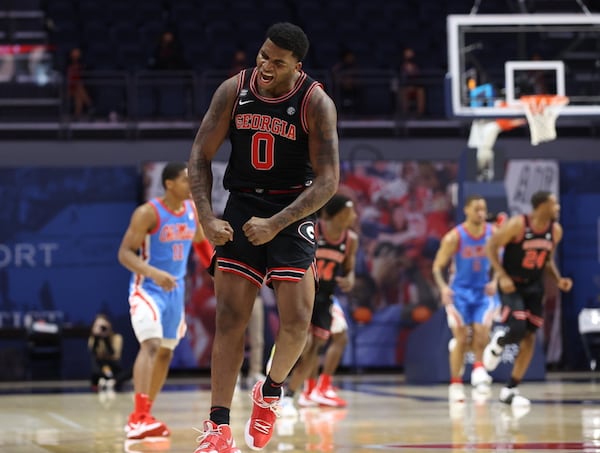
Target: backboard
494 59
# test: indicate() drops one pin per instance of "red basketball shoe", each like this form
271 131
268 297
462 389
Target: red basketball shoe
260 427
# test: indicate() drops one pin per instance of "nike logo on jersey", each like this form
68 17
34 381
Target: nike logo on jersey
245 102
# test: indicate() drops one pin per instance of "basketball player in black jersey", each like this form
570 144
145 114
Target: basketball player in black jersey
283 167
529 242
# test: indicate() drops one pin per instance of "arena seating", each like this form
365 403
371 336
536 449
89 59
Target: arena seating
121 36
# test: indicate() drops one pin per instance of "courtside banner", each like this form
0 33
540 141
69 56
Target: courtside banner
524 177
60 230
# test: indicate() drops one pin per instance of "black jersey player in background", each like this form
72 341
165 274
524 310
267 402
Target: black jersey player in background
529 242
336 257
283 167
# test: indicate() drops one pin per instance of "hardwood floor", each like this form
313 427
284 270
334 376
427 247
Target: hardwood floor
383 415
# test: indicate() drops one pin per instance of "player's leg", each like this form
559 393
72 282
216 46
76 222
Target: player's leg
173 324
457 355
304 370
338 341
143 365
320 333
235 299
483 314
310 383
457 358
239 271
256 340
523 359
510 393
304 366
324 393
147 326
295 301
295 379
160 371
457 316
514 318
534 310
335 352
290 266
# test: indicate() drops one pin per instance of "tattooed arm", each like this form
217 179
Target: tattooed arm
211 134
324 157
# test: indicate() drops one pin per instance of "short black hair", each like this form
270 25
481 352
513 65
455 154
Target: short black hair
539 197
336 204
172 171
472 198
290 37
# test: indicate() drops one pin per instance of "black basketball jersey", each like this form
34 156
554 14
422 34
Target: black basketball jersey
330 257
269 137
525 258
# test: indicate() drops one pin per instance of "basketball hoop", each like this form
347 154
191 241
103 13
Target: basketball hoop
541 111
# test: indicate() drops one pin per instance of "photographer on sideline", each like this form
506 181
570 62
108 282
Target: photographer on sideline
106 347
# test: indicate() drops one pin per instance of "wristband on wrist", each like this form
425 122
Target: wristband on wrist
204 251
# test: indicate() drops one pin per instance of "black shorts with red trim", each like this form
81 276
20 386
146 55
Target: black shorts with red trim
286 257
526 299
322 316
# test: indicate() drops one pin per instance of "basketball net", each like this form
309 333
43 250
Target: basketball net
541 111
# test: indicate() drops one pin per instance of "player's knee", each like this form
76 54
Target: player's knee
150 346
295 326
480 339
340 339
462 337
165 353
529 336
295 319
229 319
318 345
296 332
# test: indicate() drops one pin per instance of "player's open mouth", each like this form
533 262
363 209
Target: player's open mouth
265 79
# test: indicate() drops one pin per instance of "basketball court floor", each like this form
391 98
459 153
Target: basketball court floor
384 415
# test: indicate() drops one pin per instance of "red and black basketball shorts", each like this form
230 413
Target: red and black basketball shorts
322 316
525 303
286 257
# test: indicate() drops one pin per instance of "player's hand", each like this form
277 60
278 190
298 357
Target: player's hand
447 295
506 284
217 231
344 283
163 279
565 284
259 231
490 288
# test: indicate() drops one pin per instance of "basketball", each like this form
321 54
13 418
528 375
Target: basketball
421 314
362 315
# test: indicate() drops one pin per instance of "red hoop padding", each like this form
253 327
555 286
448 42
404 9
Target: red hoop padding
537 103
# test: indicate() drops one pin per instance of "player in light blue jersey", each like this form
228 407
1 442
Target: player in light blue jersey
155 248
469 297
